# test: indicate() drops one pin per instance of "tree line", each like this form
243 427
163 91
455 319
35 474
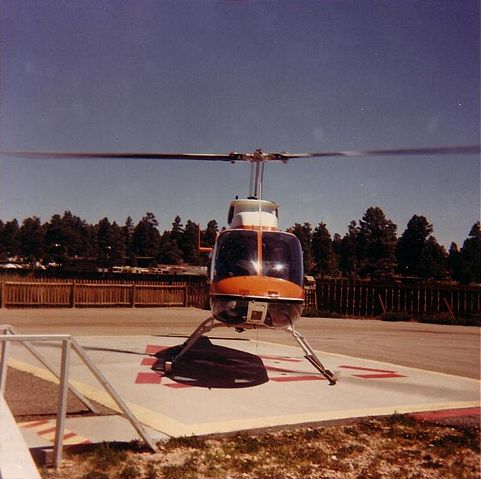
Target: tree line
369 249
372 249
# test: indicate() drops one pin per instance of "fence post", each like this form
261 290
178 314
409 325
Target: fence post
132 299
2 294
72 294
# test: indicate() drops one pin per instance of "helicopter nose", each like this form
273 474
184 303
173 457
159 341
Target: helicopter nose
245 311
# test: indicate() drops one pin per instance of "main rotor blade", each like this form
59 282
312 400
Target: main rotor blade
257 156
124 156
443 150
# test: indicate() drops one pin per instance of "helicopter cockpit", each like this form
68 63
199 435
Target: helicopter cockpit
273 254
257 278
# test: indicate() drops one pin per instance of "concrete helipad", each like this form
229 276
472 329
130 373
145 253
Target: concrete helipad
226 385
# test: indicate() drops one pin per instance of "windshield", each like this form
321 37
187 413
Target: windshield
237 255
282 257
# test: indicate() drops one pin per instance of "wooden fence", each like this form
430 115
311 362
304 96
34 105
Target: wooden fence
31 294
349 298
362 299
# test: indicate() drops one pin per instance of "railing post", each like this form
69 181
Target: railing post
113 394
62 406
2 294
3 361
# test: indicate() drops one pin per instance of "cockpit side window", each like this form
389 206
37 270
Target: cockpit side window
236 255
282 256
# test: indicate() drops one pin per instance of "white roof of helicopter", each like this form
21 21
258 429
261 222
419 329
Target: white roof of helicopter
253 213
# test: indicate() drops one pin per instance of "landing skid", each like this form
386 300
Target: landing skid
210 324
203 328
311 356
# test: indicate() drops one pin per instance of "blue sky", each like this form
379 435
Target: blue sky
236 75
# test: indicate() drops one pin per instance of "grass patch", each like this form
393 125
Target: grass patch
396 447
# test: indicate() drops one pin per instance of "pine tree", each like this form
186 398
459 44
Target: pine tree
189 243
322 252
411 244
169 252
127 234
67 236
111 244
209 235
9 239
146 238
433 261
32 239
471 254
347 251
377 244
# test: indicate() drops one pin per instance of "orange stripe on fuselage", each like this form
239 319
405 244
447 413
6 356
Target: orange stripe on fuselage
263 286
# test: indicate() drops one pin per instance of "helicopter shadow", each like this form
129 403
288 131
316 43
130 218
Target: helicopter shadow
210 366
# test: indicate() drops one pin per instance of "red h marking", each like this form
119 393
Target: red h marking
152 348
148 378
284 379
378 373
148 361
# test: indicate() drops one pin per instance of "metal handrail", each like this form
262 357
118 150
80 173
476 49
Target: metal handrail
68 343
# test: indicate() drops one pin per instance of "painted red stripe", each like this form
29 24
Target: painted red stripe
148 378
281 370
46 431
154 348
359 368
148 361
297 378
431 415
35 424
378 376
69 435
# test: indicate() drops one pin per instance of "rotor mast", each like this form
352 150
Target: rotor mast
257 161
257 176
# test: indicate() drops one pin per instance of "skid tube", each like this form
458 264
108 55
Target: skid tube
311 356
209 324
206 326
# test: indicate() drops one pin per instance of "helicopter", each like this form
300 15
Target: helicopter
256 278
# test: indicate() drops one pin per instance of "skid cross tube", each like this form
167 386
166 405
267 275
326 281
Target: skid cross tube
203 328
311 356
209 324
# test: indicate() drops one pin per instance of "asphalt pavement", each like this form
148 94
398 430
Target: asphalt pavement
442 348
